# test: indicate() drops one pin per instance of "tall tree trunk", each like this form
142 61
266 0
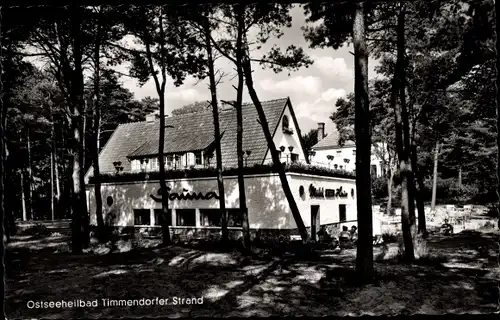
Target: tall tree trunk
69 185
403 165
80 235
30 178
3 158
56 171
435 177
390 180
419 191
497 88
406 122
460 178
97 129
23 196
247 69
84 130
239 128
364 253
160 89
52 185
215 113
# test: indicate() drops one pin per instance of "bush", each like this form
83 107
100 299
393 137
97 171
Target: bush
389 237
212 172
448 192
379 188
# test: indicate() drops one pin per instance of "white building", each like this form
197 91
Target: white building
329 153
129 165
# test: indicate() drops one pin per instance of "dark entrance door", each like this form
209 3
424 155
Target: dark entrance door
315 222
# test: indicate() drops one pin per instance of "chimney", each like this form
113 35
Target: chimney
321 131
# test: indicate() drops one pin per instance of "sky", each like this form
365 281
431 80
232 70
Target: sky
313 91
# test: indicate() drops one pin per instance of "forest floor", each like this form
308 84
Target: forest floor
459 274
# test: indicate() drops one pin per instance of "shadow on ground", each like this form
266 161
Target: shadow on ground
464 279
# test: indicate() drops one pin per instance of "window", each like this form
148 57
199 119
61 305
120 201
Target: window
354 152
342 212
209 157
154 164
158 217
142 217
373 170
210 218
135 164
341 167
234 218
295 157
285 123
186 217
197 156
339 151
169 161
335 166
144 164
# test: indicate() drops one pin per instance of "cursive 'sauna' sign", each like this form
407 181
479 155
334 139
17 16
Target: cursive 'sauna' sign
326 193
184 195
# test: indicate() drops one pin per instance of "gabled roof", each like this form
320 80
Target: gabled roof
192 132
331 140
183 133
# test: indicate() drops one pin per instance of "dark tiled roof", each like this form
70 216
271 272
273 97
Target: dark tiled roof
183 133
193 132
331 140
124 140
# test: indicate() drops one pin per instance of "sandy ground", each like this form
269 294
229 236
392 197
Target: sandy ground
460 275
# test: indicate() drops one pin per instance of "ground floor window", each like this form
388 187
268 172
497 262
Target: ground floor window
158 217
373 170
210 218
142 217
234 218
342 212
186 217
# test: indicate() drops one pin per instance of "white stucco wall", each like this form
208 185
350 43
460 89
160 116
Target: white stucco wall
266 201
346 152
329 208
286 140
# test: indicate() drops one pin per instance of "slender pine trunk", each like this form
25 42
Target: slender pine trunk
160 89
239 129
215 113
23 196
435 177
364 253
497 88
52 185
403 165
56 171
419 192
3 158
97 129
406 122
390 180
460 178
30 177
247 69
80 234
